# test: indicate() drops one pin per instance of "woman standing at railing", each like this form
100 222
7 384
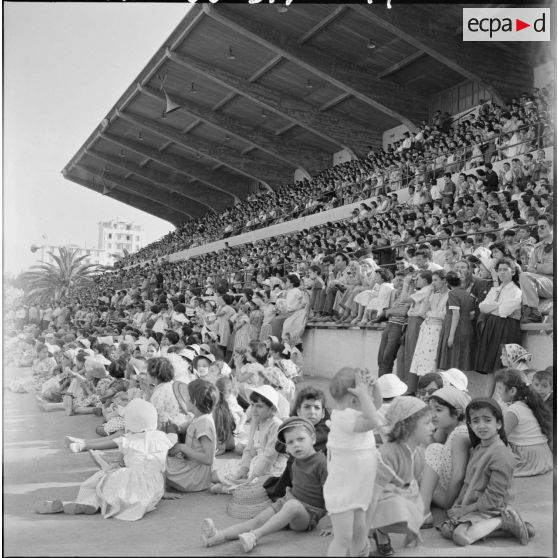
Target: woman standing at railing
455 350
502 307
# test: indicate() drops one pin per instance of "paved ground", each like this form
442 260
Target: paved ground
37 465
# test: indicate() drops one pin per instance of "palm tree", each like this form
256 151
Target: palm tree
46 282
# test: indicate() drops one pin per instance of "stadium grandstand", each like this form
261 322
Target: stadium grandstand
351 186
274 137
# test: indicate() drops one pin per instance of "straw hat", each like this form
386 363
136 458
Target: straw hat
248 500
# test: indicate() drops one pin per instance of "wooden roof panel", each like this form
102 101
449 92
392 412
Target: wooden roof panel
213 134
300 134
427 76
210 41
245 109
292 80
179 80
357 110
296 21
347 37
110 148
189 155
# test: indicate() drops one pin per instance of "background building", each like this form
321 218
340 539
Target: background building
116 236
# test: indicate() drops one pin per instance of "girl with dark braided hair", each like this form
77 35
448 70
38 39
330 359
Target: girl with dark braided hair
528 424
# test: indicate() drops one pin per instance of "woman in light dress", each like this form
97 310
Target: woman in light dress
424 358
377 299
295 306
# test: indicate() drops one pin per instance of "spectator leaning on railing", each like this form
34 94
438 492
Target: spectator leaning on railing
537 281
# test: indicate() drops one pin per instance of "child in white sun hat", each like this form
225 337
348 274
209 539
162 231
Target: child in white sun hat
454 377
390 386
260 458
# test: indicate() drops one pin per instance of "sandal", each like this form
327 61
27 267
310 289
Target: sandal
513 524
49 506
384 549
208 533
75 508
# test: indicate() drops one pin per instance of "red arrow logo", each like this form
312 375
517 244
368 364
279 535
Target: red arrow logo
519 25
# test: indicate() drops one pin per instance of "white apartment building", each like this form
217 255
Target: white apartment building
116 235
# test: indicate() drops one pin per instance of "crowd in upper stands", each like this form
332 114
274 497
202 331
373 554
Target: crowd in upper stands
491 134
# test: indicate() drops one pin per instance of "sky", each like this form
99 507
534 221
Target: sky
65 66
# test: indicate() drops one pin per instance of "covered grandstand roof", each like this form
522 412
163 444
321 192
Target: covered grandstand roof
262 92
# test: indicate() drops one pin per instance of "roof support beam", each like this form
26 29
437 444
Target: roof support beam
288 153
159 179
264 69
150 207
336 101
335 128
401 64
228 97
223 182
469 59
385 97
135 188
249 166
321 25
286 128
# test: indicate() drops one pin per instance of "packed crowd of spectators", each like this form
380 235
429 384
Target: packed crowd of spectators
490 134
211 347
481 218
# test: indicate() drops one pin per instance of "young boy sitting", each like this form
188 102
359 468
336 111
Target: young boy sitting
542 384
303 505
310 405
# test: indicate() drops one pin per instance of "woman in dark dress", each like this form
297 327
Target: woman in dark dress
456 339
502 309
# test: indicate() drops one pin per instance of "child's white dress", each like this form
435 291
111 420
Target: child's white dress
351 465
130 492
